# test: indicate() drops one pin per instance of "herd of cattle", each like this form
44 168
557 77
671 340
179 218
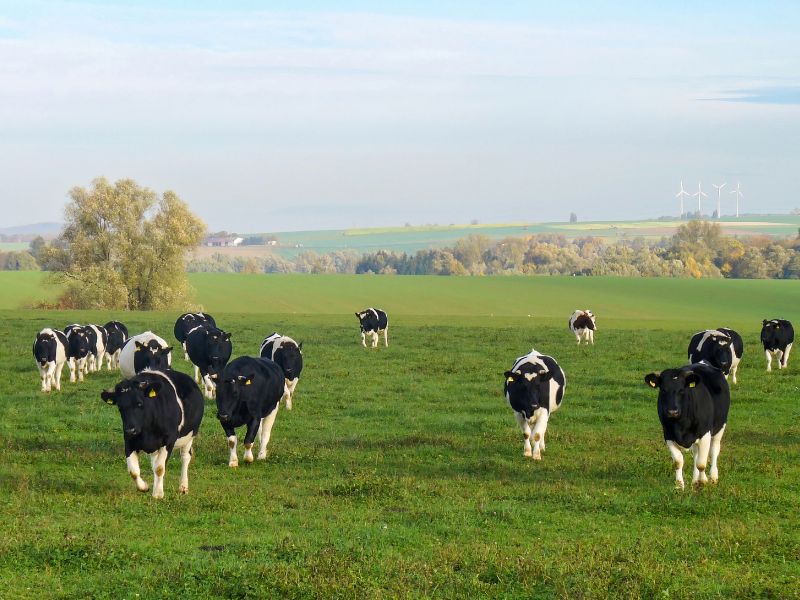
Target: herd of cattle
693 400
161 409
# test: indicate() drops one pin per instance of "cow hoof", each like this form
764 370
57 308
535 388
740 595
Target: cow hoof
233 464
143 487
158 496
679 486
248 459
184 489
537 456
262 456
527 453
714 480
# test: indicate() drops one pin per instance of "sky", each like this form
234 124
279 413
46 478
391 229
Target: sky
281 116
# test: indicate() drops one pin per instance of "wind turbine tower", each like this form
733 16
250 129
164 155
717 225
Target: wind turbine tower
739 195
700 193
719 198
680 195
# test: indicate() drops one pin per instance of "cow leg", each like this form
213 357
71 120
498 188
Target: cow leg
779 356
185 354
374 339
769 359
233 459
100 356
677 463
734 368
386 337
208 386
136 475
81 368
186 458
716 443
265 431
72 369
700 449
197 374
51 375
539 428
364 339
43 377
578 337
287 394
591 336
526 433
786 355
158 460
59 368
249 437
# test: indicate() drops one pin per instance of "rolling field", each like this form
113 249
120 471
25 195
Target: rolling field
399 473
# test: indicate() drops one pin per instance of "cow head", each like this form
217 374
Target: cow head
722 354
771 333
44 348
528 391
290 357
154 355
675 388
134 399
79 344
231 393
218 350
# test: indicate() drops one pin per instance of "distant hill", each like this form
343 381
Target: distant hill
43 229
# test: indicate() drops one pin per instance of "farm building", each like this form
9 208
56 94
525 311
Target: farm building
220 241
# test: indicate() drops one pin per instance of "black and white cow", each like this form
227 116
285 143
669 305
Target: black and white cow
693 404
98 339
249 394
50 353
777 335
188 321
144 351
289 355
534 388
721 348
373 321
583 324
78 349
160 410
117 336
209 350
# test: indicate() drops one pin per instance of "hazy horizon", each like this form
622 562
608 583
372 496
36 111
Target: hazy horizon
302 116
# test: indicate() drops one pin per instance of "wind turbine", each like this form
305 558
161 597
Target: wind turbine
680 195
700 193
739 194
719 197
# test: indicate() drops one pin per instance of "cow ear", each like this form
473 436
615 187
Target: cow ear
300 346
764 322
227 336
153 387
140 345
546 376
108 396
509 375
166 350
692 379
653 380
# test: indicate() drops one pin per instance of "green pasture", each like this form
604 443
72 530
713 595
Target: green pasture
399 473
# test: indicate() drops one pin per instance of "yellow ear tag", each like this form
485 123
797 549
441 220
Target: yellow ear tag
248 382
652 384
692 384
109 401
510 380
152 394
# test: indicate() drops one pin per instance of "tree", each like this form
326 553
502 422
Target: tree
573 218
124 247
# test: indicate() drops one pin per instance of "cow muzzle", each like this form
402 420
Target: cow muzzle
131 431
223 417
673 414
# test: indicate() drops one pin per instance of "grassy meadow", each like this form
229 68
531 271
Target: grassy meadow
399 473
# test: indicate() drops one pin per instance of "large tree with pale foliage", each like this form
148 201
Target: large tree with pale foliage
123 247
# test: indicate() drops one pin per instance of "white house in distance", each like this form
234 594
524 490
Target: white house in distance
220 241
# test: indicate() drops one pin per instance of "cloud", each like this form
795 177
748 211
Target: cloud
783 95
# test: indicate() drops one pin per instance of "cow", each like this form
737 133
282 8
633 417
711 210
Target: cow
289 356
98 339
721 348
373 321
534 388
50 353
117 336
249 394
583 324
160 410
188 321
777 335
144 351
209 349
78 349
693 404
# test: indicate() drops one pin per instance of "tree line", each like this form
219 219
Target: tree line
698 249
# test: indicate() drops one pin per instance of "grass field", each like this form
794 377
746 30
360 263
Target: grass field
399 473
